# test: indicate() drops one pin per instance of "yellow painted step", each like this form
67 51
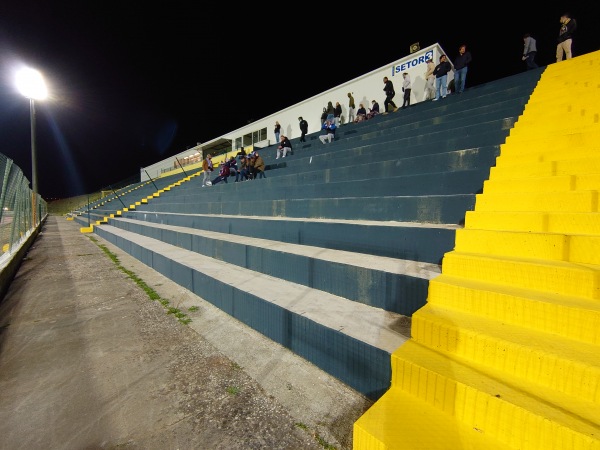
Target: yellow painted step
558 277
582 120
588 139
580 166
575 201
568 316
553 222
400 421
519 414
577 248
560 364
584 182
530 184
510 156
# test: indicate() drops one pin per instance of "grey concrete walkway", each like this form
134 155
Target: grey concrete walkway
88 361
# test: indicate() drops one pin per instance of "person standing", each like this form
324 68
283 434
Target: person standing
529 51
277 131
429 93
406 89
303 129
568 25
207 168
323 116
337 113
388 88
461 66
330 111
441 78
351 107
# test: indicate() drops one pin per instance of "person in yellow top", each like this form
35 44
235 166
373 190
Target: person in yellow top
207 168
351 107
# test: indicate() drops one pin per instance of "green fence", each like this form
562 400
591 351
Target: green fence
21 211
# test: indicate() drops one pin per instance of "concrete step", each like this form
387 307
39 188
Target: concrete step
558 277
402 421
584 249
517 413
571 317
440 209
551 222
350 340
547 184
392 284
411 240
572 201
512 352
330 183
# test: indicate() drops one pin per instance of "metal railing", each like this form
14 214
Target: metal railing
21 211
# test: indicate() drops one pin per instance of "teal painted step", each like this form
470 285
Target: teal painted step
439 209
391 284
417 242
351 341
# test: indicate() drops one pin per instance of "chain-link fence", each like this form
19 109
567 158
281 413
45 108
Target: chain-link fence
21 211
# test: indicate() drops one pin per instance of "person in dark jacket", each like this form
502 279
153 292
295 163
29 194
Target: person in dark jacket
323 116
441 78
388 88
337 114
568 25
284 147
303 129
223 173
461 66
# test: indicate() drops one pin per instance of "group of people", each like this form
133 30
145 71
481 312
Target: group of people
436 87
249 167
564 45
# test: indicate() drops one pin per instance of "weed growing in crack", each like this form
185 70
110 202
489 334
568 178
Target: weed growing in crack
152 294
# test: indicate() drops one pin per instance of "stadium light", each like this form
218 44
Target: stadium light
32 85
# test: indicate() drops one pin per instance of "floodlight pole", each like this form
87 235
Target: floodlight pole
34 183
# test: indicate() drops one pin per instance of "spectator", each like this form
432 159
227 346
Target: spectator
303 129
529 51
285 147
250 165
406 89
351 107
258 166
223 173
461 66
429 93
441 78
388 88
568 26
373 110
328 131
244 168
330 111
324 116
337 113
277 131
207 168
361 114
233 168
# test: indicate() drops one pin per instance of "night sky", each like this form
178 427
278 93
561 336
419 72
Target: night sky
132 85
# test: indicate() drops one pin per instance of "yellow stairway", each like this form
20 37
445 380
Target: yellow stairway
506 352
